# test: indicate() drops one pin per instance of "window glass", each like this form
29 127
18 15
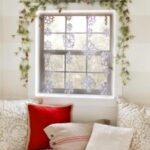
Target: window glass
76 53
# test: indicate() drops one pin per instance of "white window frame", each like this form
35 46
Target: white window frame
37 55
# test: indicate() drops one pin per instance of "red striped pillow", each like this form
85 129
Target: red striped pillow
67 136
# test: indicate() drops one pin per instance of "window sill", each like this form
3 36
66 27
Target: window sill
78 99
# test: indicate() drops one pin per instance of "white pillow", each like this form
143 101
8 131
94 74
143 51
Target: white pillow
69 136
105 137
137 117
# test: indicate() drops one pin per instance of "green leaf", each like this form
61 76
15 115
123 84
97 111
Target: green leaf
27 16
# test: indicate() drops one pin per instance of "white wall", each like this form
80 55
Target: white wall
11 87
138 88
0 49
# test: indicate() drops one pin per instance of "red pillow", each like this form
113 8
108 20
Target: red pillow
41 116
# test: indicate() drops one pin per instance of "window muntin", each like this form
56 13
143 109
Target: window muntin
76 53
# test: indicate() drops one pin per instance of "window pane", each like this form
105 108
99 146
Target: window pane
54 42
77 53
57 80
54 62
54 23
76 24
98 64
77 63
52 81
75 41
98 24
98 78
76 79
100 41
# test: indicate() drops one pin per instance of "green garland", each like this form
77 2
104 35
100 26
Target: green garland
28 15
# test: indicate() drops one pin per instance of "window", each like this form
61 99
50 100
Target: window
75 53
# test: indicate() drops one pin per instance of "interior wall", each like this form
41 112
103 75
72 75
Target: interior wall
11 87
0 49
138 89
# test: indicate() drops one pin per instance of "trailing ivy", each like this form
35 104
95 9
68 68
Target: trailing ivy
28 14
125 34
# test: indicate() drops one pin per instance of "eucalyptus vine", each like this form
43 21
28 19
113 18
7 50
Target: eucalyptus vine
28 14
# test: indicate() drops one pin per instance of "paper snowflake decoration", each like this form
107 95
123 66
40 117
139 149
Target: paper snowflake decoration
48 19
89 50
69 27
89 32
69 58
105 58
91 20
69 87
47 32
47 44
104 88
88 83
106 32
48 87
69 40
68 18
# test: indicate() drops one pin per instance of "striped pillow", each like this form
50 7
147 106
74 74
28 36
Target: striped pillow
67 136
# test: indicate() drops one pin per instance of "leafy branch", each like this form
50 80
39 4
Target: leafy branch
124 36
28 14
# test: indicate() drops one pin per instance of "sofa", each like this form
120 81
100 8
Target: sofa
133 123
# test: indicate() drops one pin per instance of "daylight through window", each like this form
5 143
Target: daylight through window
76 51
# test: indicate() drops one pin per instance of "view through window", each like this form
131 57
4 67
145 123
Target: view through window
76 51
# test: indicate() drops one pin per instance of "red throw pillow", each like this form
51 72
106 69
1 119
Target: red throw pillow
41 116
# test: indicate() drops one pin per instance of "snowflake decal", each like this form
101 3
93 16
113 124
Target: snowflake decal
46 61
69 58
47 32
69 40
68 18
88 83
47 44
106 32
69 27
48 19
90 50
69 87
106 70
89 32
48 87
104 88
91 46
91 20
105 58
